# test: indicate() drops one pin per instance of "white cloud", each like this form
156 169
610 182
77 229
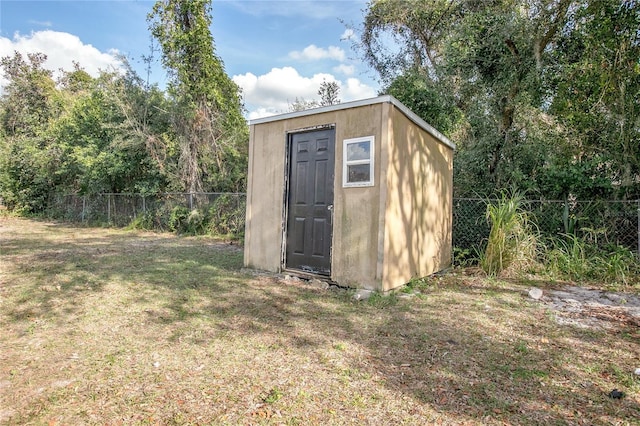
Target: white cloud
315 53
345 69
347 34
271 93
62 49
355 89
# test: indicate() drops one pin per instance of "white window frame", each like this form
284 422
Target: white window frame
369 161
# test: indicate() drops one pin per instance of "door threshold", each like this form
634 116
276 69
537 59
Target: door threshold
307 275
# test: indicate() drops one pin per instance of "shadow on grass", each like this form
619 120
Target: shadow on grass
57 266
461 365
473 354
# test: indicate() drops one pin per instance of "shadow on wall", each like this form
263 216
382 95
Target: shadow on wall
422 193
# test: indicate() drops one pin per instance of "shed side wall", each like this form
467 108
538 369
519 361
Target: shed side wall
265 189
418 217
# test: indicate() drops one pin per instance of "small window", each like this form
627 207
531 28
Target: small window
357 168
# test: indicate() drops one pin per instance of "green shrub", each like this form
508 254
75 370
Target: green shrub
465 257
227 216
567 257
196 222
581 259
178 219
190 222
143 221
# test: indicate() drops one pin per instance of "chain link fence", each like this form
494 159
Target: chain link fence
224 211
602 223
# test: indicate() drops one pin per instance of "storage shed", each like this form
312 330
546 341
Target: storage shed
359 193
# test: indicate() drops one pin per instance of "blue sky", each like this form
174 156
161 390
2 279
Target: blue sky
276 51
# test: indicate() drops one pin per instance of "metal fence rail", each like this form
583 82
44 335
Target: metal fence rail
602 223
122 209
599 222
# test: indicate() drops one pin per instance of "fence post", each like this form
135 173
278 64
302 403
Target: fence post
638 203
144 206
84 206
191 201
109 208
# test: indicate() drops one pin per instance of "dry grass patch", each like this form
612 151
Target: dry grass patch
103 326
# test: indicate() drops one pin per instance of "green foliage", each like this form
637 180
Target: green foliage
274 395
28 100
464 257
25 183
567 257
581 178
84 140
596 95
143 221
575 258
538 95
512 241
178 219
430 100
223 217
207 116
227 216
118 134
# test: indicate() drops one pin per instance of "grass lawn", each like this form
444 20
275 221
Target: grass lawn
105 326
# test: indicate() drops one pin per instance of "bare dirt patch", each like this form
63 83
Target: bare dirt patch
586 307
103 326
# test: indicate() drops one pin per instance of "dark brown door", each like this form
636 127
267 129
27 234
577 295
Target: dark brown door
310 201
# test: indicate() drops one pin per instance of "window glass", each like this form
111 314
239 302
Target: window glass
359 173
357 168
359 151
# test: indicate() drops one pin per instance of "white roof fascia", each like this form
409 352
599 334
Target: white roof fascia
354 104
420 122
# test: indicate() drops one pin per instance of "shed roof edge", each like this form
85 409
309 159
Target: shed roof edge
362 102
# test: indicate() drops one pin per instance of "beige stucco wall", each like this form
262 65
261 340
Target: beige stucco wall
382 235
356 210
263 229
418 216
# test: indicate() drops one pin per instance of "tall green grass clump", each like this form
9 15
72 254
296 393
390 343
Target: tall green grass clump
581 259
569 257
512 242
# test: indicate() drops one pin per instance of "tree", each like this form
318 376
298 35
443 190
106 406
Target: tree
428 99
328 92
96 147
598 94
487 59
27 102
301 104
208 122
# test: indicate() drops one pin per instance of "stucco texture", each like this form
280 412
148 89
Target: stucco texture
419 198
382 235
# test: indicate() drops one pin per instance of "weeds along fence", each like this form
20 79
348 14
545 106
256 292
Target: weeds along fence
219 213
601 223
